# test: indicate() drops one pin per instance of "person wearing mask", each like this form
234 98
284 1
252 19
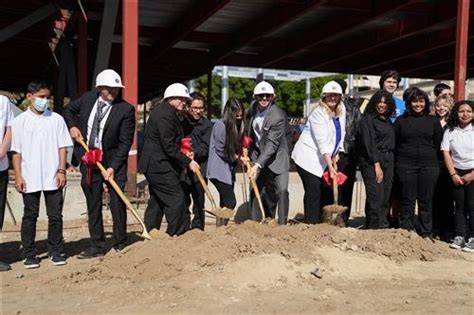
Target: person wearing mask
418 137
377 143
443 203
458 148
270 133
6 118
107 123
318 147
224 150
39 144
162 162
198 128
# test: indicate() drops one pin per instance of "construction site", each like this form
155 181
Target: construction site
245 266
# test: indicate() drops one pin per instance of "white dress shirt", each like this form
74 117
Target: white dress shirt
90 122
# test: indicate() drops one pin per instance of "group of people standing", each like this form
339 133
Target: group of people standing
217 151
405 149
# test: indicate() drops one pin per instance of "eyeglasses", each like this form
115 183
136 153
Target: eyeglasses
264 95
196 109
181 99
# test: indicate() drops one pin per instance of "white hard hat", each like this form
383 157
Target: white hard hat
263 88
332 87
176 90
109 78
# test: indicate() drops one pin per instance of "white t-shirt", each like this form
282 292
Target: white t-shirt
460 142
106 109
38 138
6 118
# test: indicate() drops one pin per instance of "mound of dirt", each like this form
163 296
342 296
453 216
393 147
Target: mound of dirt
166 257
250 267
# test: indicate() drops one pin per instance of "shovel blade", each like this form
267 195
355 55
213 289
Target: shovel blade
224 213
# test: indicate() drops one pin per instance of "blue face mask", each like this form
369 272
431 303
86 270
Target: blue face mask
40 104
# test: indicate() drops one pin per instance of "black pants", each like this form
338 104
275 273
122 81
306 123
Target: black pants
153 213
194 191
312 196
274 192
464 208
443 206
377 203
3 195
54 210
226 194
169 196
417 183
93 195
347 164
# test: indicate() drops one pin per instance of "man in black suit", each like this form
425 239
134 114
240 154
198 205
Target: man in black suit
270 151
108 123
162 162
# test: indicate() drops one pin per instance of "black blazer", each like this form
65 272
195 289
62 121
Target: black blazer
161 150
118 132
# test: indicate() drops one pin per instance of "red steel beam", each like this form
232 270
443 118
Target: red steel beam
200 12
432 42
461 49
270 21
330 32
408 27
130 79
82 64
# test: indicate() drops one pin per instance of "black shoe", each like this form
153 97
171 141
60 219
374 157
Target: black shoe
4 266
57 259
120 248
31 262
91 252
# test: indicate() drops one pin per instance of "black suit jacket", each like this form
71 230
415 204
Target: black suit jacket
118 132
161 150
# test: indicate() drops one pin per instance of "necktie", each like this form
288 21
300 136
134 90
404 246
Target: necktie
99 115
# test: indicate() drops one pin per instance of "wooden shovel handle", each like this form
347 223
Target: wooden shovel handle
120 193
206 189
256 192
335 188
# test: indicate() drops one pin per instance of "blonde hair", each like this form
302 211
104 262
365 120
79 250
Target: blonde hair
326 108
449 102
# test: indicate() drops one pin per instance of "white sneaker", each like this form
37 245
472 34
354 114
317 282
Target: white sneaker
469 247
458 242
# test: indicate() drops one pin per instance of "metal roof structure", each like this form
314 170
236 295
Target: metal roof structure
182 39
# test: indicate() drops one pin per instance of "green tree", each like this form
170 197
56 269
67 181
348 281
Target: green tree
290 95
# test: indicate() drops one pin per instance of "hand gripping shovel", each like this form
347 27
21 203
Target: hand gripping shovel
224 213
332 213
247 141
120 193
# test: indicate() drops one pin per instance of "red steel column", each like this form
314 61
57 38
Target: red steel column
461 49
82 65
130 78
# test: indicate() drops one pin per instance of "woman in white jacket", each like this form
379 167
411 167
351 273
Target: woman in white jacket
319 144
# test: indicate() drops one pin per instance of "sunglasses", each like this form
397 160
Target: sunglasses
264 95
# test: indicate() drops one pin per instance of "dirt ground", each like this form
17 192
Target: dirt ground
245 268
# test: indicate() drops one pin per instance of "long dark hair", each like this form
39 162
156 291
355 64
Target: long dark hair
453 119
375 99
416 94
234 128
